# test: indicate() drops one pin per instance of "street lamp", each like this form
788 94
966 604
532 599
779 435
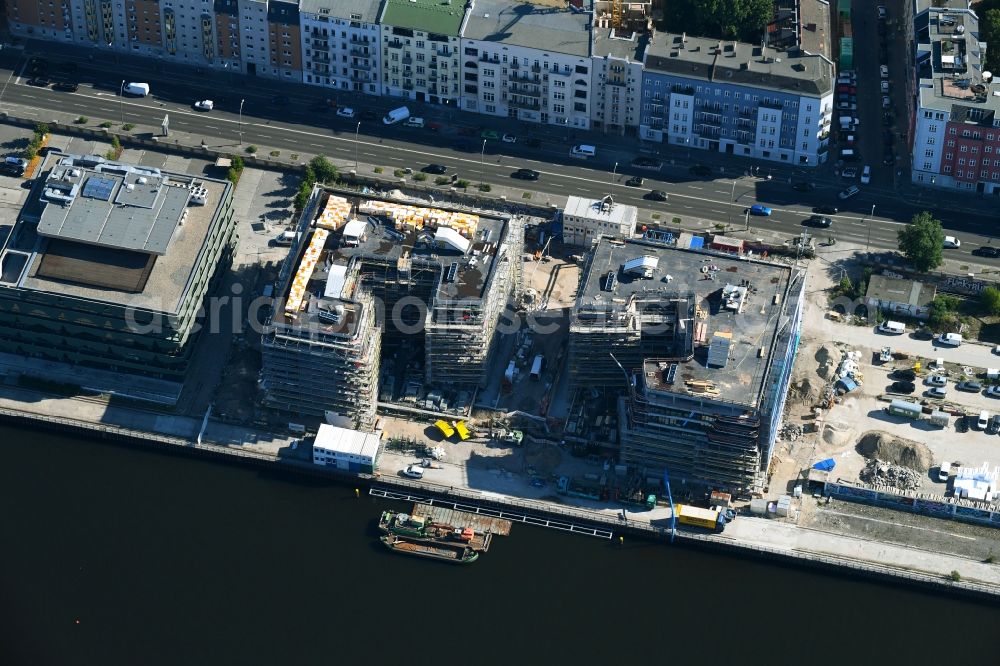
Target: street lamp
121 100
356 130
732 201
870 216
482 168
611 181
241 121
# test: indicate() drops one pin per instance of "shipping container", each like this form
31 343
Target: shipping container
909 410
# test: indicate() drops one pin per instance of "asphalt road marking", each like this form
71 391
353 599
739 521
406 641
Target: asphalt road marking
695 187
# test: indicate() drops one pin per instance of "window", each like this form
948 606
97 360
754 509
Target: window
972 163
988 149
963 149
805 133
488 72
951 143
961 161
947 156
947 168
932 129
930 141
952 131
975 149
928 153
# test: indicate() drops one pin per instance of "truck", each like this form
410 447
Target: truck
396 115
694 516
537 366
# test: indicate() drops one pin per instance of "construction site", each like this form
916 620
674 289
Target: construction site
387 300
697 349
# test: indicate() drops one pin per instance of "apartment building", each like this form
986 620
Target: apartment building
620 36
530 61
340 44
737 98
956 132
703 364
420 45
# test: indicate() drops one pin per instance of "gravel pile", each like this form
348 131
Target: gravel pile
881 473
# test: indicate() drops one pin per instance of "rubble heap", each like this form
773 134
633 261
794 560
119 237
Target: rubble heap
790 432
881 473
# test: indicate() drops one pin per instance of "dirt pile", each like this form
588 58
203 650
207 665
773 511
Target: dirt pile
836 432
802 390
884 447
825 362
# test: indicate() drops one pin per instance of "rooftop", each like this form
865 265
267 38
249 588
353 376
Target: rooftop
950 64
603 210
112 205
345 440
792 71
718 313
552 25
366 11
441 17
895 290
814 27
81 248
630 46
459 246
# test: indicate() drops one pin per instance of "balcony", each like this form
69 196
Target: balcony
531 91
360 40
407 60
524 104
775 106
360 66
433 65
495 59
363 78
395 44
537 69
361 53
445 52
407 85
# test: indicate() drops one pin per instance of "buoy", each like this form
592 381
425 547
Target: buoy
357 493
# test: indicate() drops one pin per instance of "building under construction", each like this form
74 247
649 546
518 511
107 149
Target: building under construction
703 346
377 289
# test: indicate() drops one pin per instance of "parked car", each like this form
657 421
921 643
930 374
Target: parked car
435 169
850 172
643 162
936 380
346 112
992 392
700 170
534 143
903 387
969 386
509 138
819 221
490 134
883 71
962 423
634 181
849 192
884 86
656 195
66 86
994 425
279 100
826 210
804 186
866 175
369 115
204 105
906 375
987 251
758 209
937 392
886 102
39 81
525 174
952 243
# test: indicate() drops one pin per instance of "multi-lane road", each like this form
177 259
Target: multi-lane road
296 118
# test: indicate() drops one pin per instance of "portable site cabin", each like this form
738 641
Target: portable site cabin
908 410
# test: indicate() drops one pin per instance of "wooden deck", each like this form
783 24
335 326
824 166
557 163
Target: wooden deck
479 523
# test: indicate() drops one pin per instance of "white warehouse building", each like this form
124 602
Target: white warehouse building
585 220
346 449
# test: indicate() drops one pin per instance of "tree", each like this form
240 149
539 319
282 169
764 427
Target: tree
719 19
942 311
989 30
990 300
922 241
323 169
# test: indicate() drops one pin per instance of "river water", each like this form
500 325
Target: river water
115 555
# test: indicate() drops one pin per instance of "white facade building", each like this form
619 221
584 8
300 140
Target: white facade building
340 44
507 71
584 220
346 449
616 79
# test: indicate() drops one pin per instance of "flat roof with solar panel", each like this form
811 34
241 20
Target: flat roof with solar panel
118 233
724 313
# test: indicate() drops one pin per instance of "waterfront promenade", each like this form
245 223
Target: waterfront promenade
773 539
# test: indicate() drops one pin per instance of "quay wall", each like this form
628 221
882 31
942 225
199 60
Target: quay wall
542 511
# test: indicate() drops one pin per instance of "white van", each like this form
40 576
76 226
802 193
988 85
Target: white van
414 472
583 151
950 339
414 122
137 89
285 238
891 328
944 471
984 420
396 115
